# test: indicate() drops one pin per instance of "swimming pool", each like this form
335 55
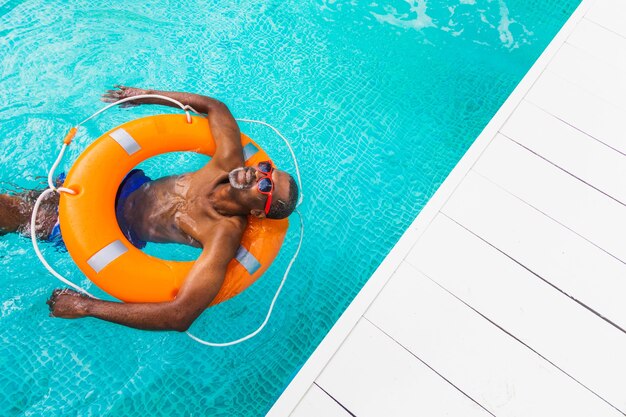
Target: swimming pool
380 102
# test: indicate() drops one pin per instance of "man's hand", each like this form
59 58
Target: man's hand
68 304
121 92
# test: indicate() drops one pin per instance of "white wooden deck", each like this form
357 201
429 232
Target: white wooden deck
507 295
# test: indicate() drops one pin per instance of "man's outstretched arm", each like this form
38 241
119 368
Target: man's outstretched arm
200 287
202 104
224 128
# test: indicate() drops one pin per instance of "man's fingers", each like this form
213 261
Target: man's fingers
111 96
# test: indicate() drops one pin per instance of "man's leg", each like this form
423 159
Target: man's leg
12 214
16 210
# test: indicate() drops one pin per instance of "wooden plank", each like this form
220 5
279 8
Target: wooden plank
550 250
609 13
569 149
584 210
583 110
595 75
316 403
497 371
565 333
600 42
371 375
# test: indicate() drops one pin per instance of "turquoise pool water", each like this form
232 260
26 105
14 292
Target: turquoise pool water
379 100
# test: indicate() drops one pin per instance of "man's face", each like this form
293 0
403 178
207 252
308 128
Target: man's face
247 180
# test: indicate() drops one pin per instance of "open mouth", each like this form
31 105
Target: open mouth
241 178
245 176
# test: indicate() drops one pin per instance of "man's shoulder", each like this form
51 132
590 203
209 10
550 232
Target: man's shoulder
226 228
225 237
233 224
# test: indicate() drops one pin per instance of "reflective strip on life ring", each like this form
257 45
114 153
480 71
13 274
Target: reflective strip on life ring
126 141
106 255
93 236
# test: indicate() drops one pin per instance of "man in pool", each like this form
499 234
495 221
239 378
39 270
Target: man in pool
206 208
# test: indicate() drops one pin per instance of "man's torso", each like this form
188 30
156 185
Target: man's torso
177 209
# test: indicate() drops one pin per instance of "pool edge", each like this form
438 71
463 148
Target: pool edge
315 364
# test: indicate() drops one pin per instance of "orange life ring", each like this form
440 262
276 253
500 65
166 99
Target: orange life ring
93 236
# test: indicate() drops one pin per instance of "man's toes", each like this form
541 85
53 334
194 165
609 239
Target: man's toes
54 296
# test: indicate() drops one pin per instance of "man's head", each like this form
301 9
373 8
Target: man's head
265 191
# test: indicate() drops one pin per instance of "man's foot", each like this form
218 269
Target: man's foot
67 304
16 210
